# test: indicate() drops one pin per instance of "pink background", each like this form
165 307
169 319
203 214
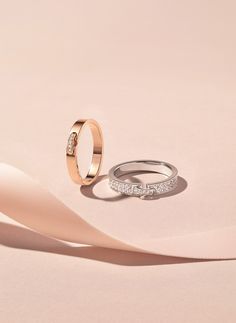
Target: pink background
159 76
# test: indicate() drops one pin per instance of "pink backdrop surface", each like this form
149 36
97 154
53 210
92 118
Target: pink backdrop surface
160 79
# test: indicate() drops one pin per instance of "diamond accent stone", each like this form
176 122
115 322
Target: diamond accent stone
71 143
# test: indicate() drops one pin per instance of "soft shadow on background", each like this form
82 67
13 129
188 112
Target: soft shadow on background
89 191
13 236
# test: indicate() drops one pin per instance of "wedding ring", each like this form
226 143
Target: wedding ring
71 152
166 185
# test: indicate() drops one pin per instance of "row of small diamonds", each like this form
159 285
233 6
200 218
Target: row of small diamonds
71 143
128 188
161 188
134 189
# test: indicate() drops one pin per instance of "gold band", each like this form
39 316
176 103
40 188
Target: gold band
71 155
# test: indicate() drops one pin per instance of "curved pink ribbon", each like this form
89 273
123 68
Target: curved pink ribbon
28 203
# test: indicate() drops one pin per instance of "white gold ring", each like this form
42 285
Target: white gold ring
166 185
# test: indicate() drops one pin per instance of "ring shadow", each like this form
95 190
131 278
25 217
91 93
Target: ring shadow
88 191
13 236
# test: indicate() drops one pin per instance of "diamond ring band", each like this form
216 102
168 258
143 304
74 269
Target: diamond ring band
166 185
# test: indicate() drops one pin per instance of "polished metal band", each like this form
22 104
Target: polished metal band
71 151
137 189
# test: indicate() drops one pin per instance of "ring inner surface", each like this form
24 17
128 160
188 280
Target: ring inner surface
147 167
97 151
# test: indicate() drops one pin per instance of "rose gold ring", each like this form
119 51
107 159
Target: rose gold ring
71 152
